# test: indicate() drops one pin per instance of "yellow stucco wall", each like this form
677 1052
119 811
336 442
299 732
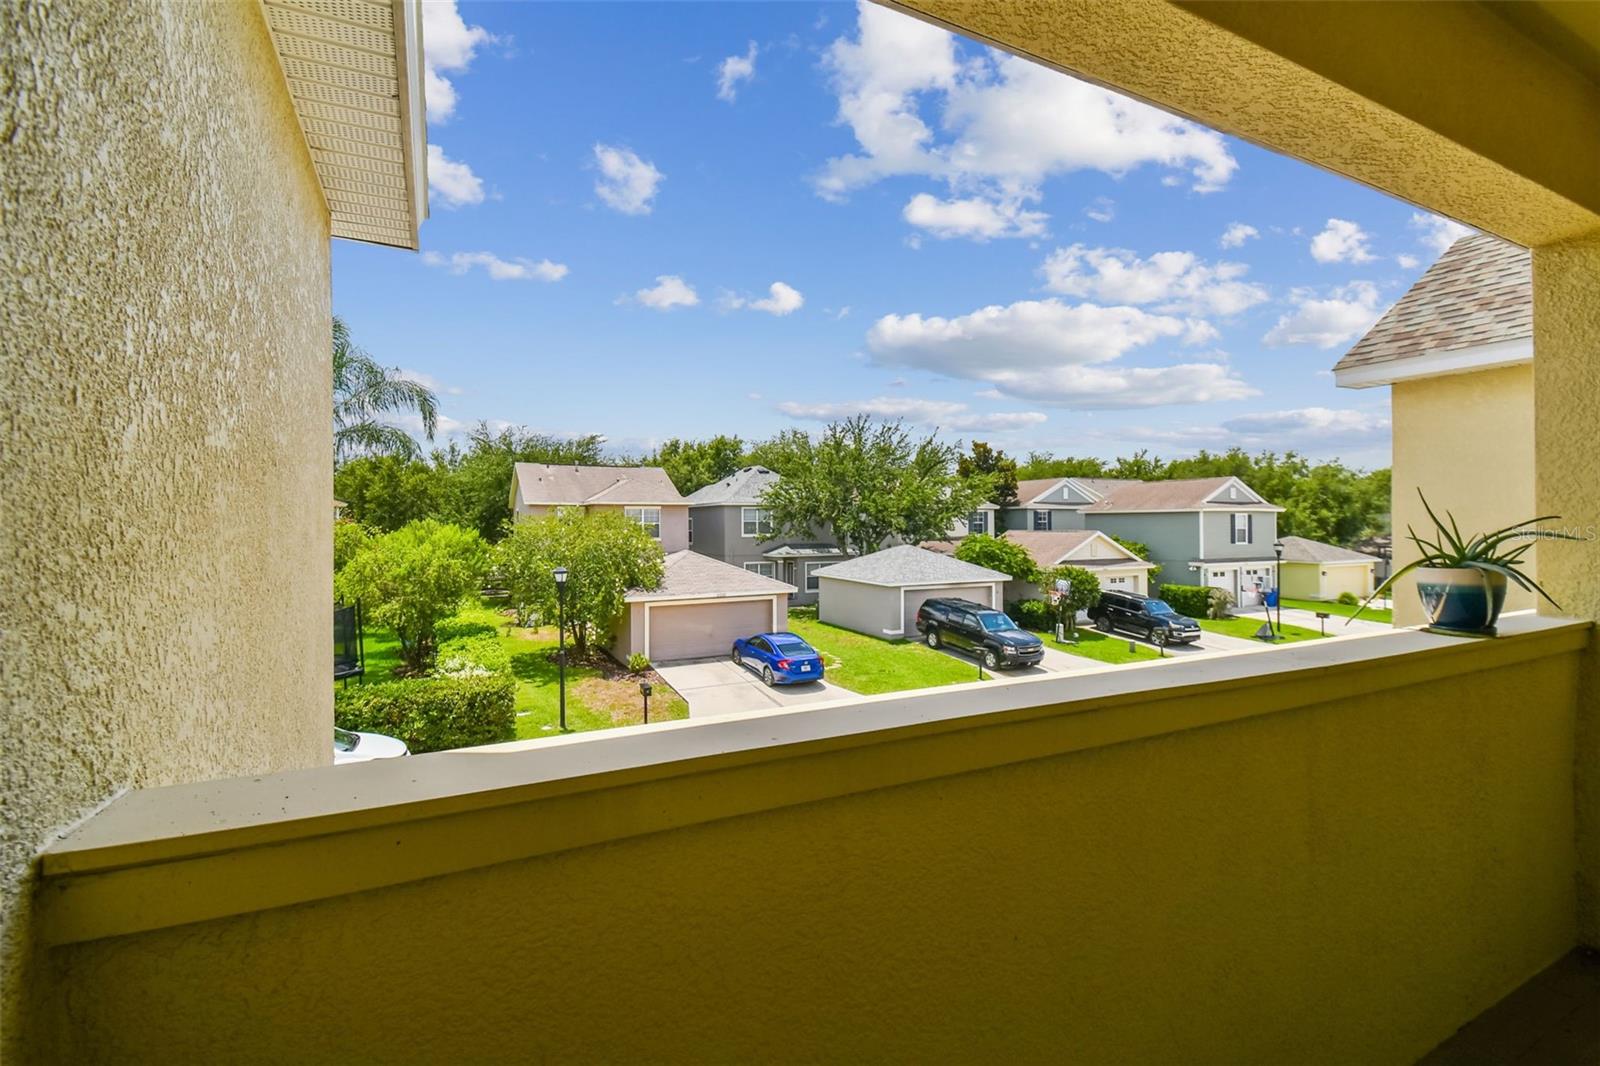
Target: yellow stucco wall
164 399
1301 581
1467 441
1342 882
1356 580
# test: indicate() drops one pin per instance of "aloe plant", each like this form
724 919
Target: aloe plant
1482 551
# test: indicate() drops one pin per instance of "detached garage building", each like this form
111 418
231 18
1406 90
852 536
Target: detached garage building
879 594
1312 570
701 608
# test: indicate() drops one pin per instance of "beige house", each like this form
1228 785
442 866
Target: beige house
1312 570
1117 568
702 606
644 494
1457 353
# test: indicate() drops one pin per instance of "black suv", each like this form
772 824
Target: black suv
1143 614
982 630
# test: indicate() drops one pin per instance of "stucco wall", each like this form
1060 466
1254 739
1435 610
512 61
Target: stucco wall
870 609
1466 440
1343 882
164 398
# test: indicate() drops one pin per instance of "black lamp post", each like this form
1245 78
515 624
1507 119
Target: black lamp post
1277 583
560 574
644 690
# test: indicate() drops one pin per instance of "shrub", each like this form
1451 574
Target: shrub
477 655
1349 599
1033 614
638 663
1197 601
997 554
1082 592
413 579
432 714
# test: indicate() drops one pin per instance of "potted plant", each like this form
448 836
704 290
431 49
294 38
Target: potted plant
1462 580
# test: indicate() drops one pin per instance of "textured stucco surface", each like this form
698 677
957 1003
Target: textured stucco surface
1346 882
1566 344
164 384
1465 440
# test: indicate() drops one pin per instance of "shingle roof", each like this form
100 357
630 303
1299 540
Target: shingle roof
690 575
1034 487
906 564
542 483
1305 550
1479 292
1182 494
743 486
1047 548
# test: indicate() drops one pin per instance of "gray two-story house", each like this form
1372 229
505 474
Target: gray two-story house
1213 531
728 522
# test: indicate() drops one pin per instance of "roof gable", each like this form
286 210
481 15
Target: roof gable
1053 548
545 484
1052 490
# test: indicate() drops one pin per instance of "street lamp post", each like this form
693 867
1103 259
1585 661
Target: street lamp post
560 574
1277 583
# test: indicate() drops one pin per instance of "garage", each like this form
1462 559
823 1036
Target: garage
701 606
879 594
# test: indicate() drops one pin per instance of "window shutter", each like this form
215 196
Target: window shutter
1250 529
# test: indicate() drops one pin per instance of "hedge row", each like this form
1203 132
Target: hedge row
1036 615
435 713
1197 601
480 653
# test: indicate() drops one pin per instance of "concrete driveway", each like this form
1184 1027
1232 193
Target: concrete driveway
717 686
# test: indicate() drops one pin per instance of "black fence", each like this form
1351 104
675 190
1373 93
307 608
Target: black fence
349 657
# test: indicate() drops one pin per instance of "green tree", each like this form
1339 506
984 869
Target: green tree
694 464
1000 554
364 393
390 491
780 453
869 481
482 473
1081 593
1140 466
1043 465
413 579
348 540
998 466
605 555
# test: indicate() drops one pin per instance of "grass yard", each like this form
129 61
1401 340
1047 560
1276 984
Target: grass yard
868 665
600 693
1341 610
1245 629
1104 647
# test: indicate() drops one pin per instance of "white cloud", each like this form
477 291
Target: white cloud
944 414
1407 262
1173 281
411 423
1438 232
669 291
451 181
518 269
626 183
1041 350
428 381
733 70
449 44
976 217
1309 423
782 299
1341 241
1327 322
1103 209
1236 234
1006 124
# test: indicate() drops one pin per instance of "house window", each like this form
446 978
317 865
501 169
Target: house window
691 529
1041 520
648 517
764 569
977 522
1243 529
813 583
756 521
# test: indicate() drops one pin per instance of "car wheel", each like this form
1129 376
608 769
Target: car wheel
766 676
738 660
931 637
1103 624
991 660
1159 636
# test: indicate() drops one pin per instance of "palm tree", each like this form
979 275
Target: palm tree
363 392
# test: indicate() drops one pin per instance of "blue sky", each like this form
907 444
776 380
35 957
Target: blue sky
659 220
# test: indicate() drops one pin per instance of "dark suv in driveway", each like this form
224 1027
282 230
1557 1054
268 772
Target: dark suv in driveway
1143 614
981 630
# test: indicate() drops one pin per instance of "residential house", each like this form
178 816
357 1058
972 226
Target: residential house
984 519
700 608
878 594
644 494
1457 354
1118 569
1045 504
728 522
1338 854
1312 570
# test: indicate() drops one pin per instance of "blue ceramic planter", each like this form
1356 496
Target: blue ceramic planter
1461 600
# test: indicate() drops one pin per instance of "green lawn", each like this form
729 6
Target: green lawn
600 694
868 665
1246 627
1104 647
1341 610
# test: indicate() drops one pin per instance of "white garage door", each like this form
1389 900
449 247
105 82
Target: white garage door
698 630
980 594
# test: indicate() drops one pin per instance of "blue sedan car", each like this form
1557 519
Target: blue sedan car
780 658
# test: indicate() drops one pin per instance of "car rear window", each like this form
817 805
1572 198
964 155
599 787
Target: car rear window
793 647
